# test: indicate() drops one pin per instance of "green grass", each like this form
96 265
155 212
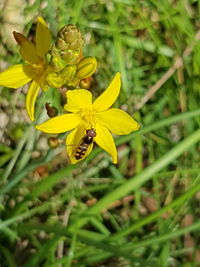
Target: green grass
144 211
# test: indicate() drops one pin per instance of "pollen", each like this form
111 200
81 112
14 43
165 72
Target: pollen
38 69
88 116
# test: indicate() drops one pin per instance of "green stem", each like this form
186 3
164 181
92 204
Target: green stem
16 155
138 180
162 238
154 216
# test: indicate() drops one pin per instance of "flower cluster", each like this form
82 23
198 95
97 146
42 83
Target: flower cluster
63 65
46 65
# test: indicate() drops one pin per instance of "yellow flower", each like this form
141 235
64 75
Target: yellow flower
35 68
96 116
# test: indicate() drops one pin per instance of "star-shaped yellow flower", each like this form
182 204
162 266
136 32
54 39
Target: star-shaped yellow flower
35 68
97 117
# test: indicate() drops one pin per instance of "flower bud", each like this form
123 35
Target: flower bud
85 83
54 80
74 83
67 49
69 38
48 58
57 63
70 56
70 33
86 67
17 132
68 73
75 45
61 44
53 142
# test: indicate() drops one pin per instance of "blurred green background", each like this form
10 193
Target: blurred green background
143 211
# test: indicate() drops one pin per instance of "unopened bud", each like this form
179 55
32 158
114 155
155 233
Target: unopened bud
53 142
57 63
70 33
86 67
67 49
85 83
51 111
48 57
69 41
54 80
73 83
76 45
61 44
70 56
17 132
68 73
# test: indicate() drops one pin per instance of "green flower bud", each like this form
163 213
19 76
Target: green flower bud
75 45
85 83
57 63
86 67
68 73
70 56
17 132
55 51
67 48
74 83
54 80
53 142
48 57
61 44
69 38
70 33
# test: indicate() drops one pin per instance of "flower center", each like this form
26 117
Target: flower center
38 69
88 117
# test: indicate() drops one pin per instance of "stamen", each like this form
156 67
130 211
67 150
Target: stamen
38 69
89 117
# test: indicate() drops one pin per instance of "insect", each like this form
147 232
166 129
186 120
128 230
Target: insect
87 140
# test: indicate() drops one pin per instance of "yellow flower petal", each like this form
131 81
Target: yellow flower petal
15 76
108 97
78 99
105 140
43 37
31 98
60 124
28 52
117 121
73 141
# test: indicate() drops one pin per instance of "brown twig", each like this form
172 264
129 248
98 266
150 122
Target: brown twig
177 64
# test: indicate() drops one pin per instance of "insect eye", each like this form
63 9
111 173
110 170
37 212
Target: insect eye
94 134
91 132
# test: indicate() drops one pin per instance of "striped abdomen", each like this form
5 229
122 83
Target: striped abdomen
87 140
81 150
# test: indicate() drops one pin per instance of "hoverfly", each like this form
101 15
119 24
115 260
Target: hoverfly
87 140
